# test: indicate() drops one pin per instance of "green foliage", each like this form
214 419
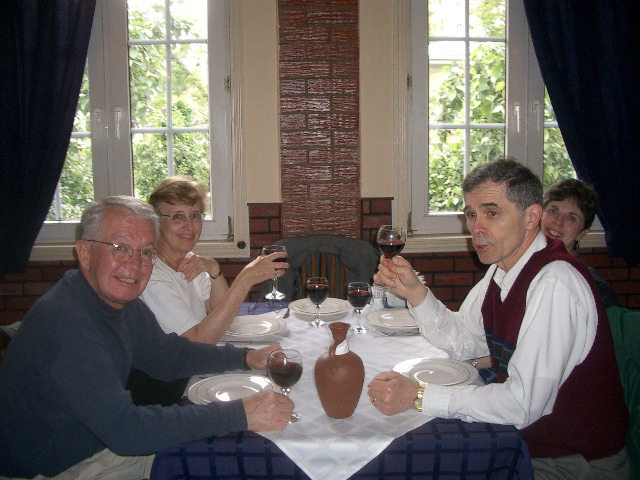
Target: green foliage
487 105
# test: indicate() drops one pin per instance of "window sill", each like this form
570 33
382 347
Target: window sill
462 243
65 251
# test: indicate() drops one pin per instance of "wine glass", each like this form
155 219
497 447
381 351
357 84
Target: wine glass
285 369
274 294
358 294
391 239
317 289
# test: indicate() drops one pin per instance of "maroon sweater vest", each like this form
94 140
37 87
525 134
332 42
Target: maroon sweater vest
589 416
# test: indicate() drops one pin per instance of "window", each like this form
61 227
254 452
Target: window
157 100
476 94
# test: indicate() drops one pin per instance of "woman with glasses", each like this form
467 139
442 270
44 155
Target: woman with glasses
187 292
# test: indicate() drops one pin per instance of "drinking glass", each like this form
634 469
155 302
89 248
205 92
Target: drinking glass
391 239
285 369
359 294
317 290
274 294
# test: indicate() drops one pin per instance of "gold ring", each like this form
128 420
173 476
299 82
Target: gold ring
373 400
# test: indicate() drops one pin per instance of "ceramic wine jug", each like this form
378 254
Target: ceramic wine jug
339 375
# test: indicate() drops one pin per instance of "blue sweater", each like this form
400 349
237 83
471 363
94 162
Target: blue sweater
62 383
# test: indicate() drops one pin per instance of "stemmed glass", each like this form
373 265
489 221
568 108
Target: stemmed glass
285 369
391 239
358 294
274 294
317 290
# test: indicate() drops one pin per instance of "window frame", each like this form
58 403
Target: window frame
56 239
431 232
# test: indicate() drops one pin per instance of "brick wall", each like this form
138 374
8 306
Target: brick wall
320 141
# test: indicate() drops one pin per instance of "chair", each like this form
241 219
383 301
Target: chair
340 259
625 327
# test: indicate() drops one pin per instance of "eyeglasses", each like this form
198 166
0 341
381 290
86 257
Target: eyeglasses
122 252
179 217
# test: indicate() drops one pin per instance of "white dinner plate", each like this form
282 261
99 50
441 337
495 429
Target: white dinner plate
440 371
393 318
224 388
330 309
255 326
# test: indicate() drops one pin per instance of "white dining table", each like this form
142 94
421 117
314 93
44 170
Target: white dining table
327 448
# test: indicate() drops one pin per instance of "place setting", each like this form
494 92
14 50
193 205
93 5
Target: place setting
439 371
318 308
393 321
255 328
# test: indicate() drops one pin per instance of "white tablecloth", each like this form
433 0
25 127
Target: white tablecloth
327 448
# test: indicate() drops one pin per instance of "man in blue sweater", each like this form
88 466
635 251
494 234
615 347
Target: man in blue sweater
64 409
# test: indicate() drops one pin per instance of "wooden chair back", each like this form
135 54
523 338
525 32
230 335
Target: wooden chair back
328 265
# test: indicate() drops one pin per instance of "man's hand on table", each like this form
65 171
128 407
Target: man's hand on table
392 393
257 358
267 411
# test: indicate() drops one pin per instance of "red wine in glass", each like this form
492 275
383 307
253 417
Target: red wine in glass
359 298
285 375
359 294
390 248
317 290
285 369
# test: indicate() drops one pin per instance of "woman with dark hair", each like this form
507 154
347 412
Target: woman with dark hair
569 208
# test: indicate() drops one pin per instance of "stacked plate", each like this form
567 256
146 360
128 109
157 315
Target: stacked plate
331 309
224 388
440 371
254 326
394 320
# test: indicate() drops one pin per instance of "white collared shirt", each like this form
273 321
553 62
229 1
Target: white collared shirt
557 332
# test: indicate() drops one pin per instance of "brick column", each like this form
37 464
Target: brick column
319 120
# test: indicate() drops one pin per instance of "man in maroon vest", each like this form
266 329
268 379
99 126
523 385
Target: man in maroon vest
538 314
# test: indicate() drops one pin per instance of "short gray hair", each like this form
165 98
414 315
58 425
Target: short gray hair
524 188
91 224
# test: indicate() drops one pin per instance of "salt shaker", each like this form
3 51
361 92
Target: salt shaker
377 293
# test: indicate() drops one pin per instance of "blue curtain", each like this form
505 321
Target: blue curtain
587 51
44 49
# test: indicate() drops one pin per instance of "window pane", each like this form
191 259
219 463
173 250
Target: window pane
487 18
486 144
446 168
189 19
557 165
556 162
192 156
446 82
190 85
487 82
149 162
75 187
446 18
148 89
146 19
